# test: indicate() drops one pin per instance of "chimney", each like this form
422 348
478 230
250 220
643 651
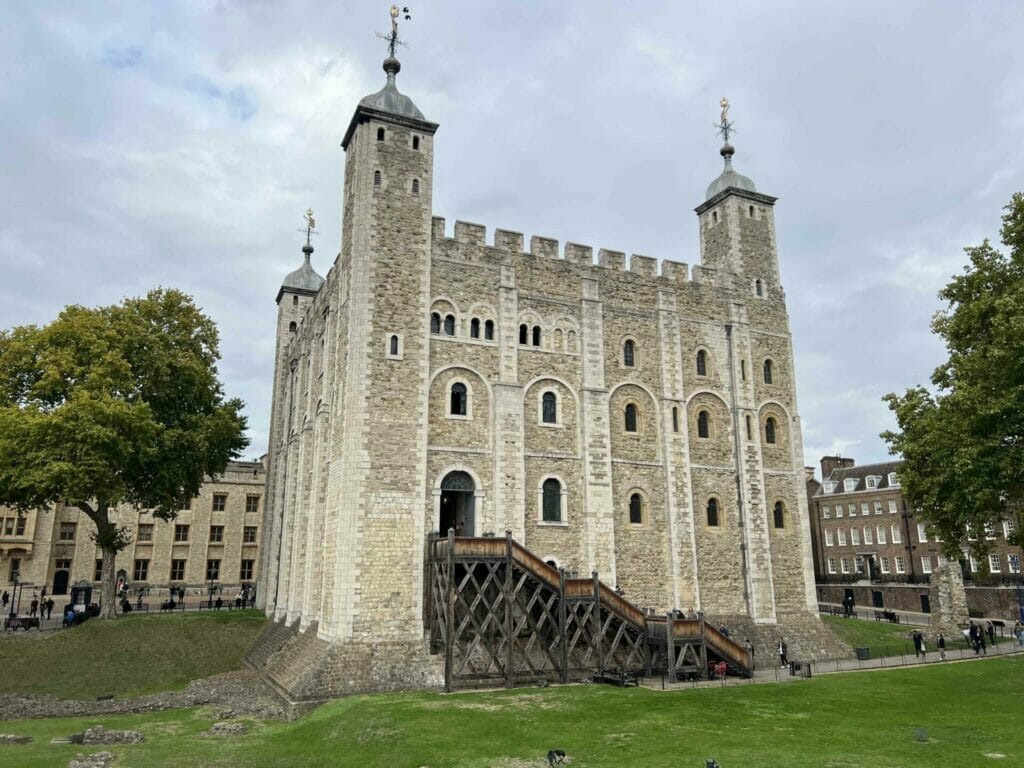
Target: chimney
808 474
829 463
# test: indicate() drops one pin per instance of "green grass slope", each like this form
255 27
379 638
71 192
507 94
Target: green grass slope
129 655
971 712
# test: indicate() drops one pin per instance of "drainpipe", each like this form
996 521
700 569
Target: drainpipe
744 547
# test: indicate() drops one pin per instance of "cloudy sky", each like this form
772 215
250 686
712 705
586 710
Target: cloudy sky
178 144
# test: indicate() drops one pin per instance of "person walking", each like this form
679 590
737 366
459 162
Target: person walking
973 634
981 642
4 599
782 653
917 644
941 645
33 607
49 607
991 629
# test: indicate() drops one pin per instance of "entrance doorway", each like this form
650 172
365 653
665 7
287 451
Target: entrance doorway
876 599
457 504
926 604
60 582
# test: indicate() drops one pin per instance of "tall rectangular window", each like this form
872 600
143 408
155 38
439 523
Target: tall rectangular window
885 564
831 565
878 507
216 534
252 503
98 574
829 539
852 509
1009 528
892 506
177 570
864 508
994 564
901 564
922 534
141 571
245 571
15 568
67 531
19 528
839 510
145 532
880 532
868 538
841 537
855 536
845 564
181 532
220 502
1014 562
8 526
926 563
249 534
826 511
212 570
897 537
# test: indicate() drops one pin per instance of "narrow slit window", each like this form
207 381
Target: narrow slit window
675 419
415 186
750 211
380 134
636 509
769 431
759 287
702 363
631 418
750 434
768 373
628 350
394 345
703 424
376 180
416 142
713 512
779 515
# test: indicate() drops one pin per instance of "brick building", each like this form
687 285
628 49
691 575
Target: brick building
217 538
866 535
615 415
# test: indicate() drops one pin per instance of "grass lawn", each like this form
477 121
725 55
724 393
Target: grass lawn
129 655
971 712
885 639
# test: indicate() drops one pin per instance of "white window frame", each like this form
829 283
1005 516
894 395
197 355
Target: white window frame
884 564
829 539
1009 528
941 560
897 536
831 565
855 536
851 510
995 563
864 510
973 563
926 563
893 507
880 534
922 533
990 531
901 564
850 484
1013 560
826 512
868 535
841 537
844 563
878 507
839 511
871 482
893 480
830 486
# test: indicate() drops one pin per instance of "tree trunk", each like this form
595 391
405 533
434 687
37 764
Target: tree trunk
107 539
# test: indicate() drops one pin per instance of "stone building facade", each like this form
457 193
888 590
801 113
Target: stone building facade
869 540
217 537
624 416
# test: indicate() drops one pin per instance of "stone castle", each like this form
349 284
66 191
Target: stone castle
615 416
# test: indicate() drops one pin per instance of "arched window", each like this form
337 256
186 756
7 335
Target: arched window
376 179
714 217
415 142
702 363
524 333
767 371
636 509
778 515
703 424
552 501
489 330
449 325
549 408
394 345
295 301
292 326
769 430
758 287
474 328
631 418
435 322
713 512
750 213
570 341
415 186
536 335
380 134
675 419
627 353
459 400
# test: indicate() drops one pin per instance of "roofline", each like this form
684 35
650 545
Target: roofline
299 291
757 197
364 114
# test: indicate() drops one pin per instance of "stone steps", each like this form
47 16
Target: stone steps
268 643
806 636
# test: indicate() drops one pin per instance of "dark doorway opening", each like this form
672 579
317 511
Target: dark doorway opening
876 599
926 604
457 504
60 582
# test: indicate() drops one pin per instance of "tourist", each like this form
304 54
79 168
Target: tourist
941 643
69 617
782 653
991 629
49 607
33 607
918 643
4 599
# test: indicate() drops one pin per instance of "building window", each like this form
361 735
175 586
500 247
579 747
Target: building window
145 532
994 564
536 335
990 531
252 503
855 536
67 531
926 563
549 408
220 502
769 431
459 400
826 512
630 418
869 537
636 509
864 508
750 435
831 565
249 534
1014 561
713 512
743 370
675 419
181 532
714 217
449 325
880 533
850 484
892 506
973 564
702 363
416 142
845 563
245 571
871 481
376 181
703 424
779 515
212 570
893 480
901 565
8 526
435 322
141 570
750 213
767 371
98 573
922 534
15 569
474 328
551 501
416 186
852 510
380 134
885 564
841 536
19 526
897 537
489 330
60 564
878 507
393 345
758 287
628 349
524 333
839 510
829 539
216 534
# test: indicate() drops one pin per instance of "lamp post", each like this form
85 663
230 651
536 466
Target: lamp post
15 598
212 588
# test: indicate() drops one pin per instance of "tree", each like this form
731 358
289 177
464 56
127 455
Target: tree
114 404
963 447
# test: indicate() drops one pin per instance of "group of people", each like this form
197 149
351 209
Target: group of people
41 605
976 635
921 650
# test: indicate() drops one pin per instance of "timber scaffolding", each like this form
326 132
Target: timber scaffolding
503 616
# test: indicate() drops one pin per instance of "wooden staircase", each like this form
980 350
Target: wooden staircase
503 616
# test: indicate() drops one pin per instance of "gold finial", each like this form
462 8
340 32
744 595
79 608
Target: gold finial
724 127
392 38
310 230
310 221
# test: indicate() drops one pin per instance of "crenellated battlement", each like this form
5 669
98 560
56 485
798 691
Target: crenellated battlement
506 241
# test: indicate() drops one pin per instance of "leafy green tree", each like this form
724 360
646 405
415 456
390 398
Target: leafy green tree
111 405
963 447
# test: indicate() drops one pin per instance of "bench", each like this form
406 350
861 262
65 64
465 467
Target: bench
21 622
891 616
834 610
620 677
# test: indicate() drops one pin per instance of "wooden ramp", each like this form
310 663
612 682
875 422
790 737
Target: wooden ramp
503 616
